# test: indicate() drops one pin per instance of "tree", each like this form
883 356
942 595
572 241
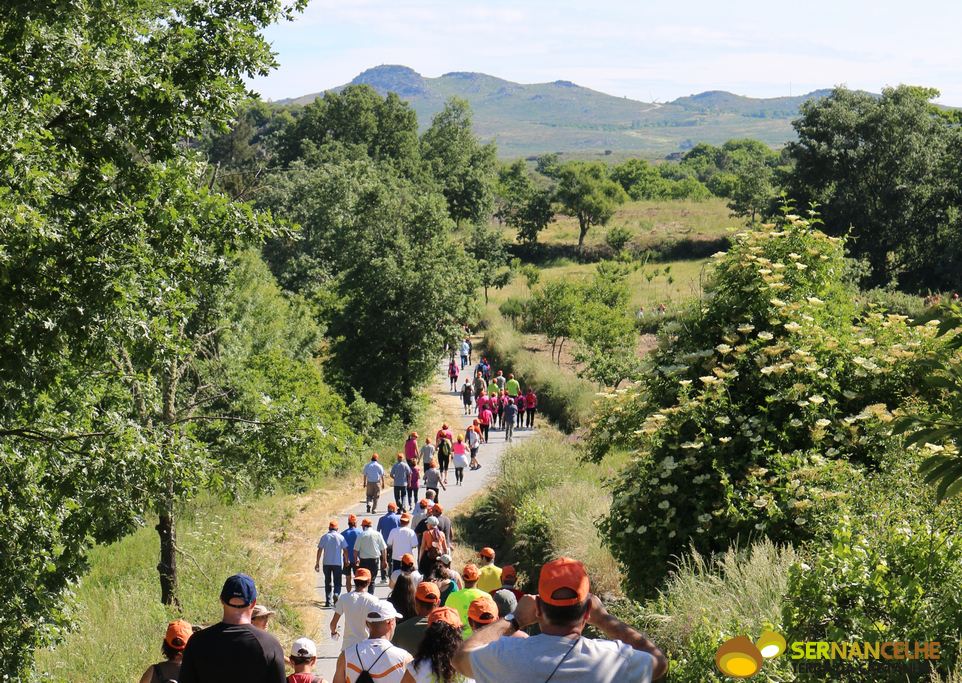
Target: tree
587 192
754 191
465 169
490 254
878 169
553 312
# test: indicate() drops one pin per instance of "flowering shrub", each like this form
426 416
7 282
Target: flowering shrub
762 407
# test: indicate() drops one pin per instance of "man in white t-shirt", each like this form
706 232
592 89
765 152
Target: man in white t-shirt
563 607
384 662
354 607
402 541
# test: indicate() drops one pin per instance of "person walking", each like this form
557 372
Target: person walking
510 414
530 405
433 481
385 525
481 612
472 436
433 544
560 653
465 353
414 483
403 542
447 579
371 551
484 420
402 594
353 608
500 380
406 568
411 449
478 386
373 482
489 574
261 616
350 537
333 549
520 405
509 580
512 387
461 600
433 659
172 647
234 650
421 512
460 452
401 479
375 656
410 632
453 372
444 524
304 659
444 456
428 451
467 394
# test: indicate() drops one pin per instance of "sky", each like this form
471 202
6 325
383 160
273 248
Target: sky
650 50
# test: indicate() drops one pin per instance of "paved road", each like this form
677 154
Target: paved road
489 457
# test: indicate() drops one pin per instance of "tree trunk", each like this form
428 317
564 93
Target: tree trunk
560 346
583 224
167 568
485 295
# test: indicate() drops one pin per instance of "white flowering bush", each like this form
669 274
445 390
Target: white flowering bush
762 407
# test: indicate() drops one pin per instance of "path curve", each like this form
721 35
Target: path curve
489 456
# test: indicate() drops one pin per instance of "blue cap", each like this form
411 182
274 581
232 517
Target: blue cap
238 586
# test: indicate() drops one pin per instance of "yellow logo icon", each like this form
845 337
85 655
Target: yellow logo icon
739 657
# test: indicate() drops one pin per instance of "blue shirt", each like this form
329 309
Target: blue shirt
350 535
373 471
332 543
388 523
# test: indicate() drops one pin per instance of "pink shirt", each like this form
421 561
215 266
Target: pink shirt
415 478
411 449
458 448
485 417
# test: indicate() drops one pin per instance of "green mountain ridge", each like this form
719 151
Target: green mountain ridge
561 116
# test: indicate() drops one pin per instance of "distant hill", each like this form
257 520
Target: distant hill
564 117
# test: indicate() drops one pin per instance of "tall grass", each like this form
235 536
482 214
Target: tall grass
563 397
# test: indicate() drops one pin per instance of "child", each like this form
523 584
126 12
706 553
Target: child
413 485
460 460
303 659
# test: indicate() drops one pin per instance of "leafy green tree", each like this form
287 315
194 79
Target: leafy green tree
587 192
553 312
465 169
878 169
521 205
754 192
489 251
640 180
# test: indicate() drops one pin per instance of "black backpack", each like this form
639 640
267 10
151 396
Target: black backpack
365 675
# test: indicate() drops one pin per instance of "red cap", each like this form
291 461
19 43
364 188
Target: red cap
563 573
392 505
178 633
362 574
448 615
470 572
508 572
352 519
332 524
437 509
428 592
366 522
483 610
487 552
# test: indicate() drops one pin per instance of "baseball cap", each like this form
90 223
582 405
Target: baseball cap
470 572
375 456
428 592
405 517
431 521
178 633
437 509
392 505
508 572
414 434
448 615
400 457
366 522
407 558
352 519
303 647
560 574
445 559
362 574
487 552
505 600
238 586
382 611
483 610
423 502
332 524
261 611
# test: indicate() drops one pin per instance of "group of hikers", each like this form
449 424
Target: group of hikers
498 401
478 625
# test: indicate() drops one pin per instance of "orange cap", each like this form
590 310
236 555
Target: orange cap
352 519
392 505
400 457
405 517
563 573
362 574
470 572
437 509
483 610
487 552
407 558
508 572
428 592
375 456
332 524
448 615
178 633
366 522
414 434
423 502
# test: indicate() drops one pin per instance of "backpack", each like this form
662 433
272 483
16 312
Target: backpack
365 675
444 448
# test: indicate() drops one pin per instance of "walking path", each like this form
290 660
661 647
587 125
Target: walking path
489 456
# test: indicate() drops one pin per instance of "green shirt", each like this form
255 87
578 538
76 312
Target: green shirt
513 387
409 634
461 601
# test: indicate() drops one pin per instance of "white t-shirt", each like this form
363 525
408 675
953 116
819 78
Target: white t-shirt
353 609
415 575
425 673
388 669
402 540
522 660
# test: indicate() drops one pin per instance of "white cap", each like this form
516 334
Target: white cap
431 521
445 559
382 611
303 647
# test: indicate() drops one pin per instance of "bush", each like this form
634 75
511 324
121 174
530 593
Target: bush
763 407
513 307
618 238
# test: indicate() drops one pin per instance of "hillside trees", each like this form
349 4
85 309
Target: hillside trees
521 204
587 192
98 101
489 251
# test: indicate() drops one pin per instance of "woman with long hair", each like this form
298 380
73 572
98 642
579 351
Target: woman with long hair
175 640
432 663
402 596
